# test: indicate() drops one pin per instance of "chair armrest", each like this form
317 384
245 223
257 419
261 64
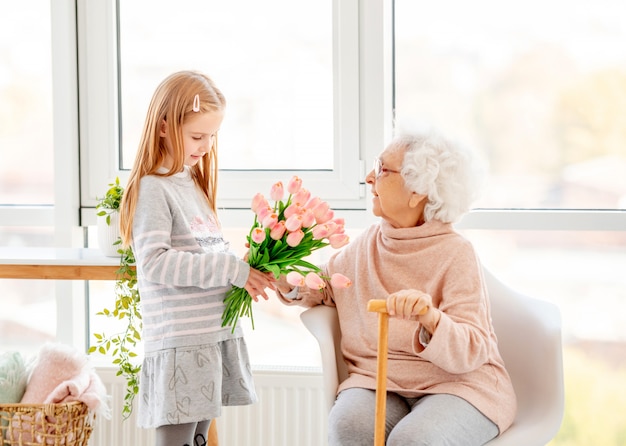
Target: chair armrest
322 321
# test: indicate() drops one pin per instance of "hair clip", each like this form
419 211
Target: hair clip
196 103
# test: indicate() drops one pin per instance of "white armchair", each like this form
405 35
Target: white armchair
529 339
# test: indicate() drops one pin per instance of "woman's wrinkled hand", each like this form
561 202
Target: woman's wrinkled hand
282 285
408 304
414 305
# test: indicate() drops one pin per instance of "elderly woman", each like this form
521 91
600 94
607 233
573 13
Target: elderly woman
446 381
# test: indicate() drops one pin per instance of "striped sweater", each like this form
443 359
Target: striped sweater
184 267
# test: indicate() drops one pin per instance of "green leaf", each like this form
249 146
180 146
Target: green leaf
120 347
308 265
274 269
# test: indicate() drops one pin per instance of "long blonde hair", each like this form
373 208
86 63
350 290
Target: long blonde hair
172 102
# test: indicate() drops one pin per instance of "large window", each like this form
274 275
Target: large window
289 71
272 60
538 86
26 105
27 317
539 89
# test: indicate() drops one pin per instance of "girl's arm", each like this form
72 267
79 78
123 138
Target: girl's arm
166 250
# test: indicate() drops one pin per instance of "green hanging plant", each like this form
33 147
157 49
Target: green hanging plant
111 201
122 346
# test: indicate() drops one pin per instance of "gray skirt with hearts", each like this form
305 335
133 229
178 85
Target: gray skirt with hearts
191 384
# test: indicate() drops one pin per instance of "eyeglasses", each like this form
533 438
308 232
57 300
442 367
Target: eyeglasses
379 169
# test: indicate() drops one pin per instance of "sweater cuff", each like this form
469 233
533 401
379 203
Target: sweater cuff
291 295
243 272
290 298
424 337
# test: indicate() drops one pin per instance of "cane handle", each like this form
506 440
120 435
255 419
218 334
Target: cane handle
380 306
377 306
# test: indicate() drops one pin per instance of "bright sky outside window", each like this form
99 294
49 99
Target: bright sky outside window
26 163
539 87
271 59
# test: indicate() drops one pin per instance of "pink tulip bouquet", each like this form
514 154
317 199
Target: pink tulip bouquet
281 237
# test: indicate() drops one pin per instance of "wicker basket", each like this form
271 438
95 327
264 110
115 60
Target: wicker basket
67 424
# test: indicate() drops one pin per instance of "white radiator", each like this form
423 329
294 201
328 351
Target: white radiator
116 431
290 412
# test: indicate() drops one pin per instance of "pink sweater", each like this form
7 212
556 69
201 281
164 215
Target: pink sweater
462 357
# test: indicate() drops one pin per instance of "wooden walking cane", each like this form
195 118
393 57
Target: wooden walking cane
212 439
380 306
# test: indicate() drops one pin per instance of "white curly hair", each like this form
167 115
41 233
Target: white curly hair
446 171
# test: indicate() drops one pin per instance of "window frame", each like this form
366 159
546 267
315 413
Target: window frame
343 186
63 215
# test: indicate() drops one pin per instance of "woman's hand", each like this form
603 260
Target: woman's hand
258 282
282 285
414 305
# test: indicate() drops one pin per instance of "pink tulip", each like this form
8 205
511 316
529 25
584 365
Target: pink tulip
320 210
320 232
294 185
333 228
294 222
258 235
301 197
314 281
295 278
325 217
270 220
294 238
277 191
278 230
312 202
308 218
263 212
292 209
341 222
258 202
338 240
340 281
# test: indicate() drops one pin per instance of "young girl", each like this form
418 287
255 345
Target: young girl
192 365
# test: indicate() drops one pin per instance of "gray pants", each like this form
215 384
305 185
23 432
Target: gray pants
188 434
430 420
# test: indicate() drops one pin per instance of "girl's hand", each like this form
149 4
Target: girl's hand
414 305
258 282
